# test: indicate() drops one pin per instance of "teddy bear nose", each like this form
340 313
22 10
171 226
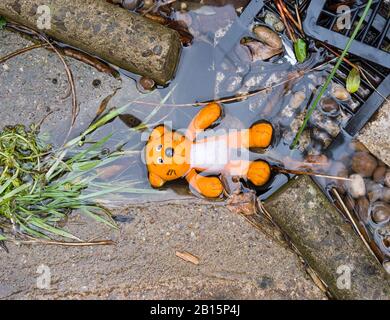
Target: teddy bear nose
169 152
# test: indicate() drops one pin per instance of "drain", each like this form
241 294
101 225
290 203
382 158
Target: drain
371 43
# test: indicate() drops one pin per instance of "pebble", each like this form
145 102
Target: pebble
340 93
146 83
387 178
148 4
364 164
131 4
358 146
356 186
380 212
386 265
268 37
330 106
375 195
379 174
386 195
361 207
272 20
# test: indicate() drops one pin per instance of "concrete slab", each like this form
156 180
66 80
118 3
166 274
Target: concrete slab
376 134
236 260
327 242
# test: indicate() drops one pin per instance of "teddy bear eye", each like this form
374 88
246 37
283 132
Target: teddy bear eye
158 148
160 160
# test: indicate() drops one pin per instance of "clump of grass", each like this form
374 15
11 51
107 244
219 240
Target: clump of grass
35 194
39 186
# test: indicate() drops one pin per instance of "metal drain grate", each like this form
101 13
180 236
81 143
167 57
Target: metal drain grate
372 42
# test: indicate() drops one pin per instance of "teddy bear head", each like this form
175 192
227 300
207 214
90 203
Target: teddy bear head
166 155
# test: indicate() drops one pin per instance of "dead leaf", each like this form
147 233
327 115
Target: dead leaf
242 203
186 256
261 51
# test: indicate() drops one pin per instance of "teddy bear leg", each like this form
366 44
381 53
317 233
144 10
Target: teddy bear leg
209 187
260 135
259 173
204 119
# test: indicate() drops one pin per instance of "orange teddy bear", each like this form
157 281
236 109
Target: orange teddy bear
171 155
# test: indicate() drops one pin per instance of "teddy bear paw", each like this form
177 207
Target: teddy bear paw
259 173
210 187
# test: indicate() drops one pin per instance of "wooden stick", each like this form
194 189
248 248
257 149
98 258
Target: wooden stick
21 51
288 27
306 173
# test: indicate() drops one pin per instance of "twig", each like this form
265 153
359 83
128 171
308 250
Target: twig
299 19
331 75
75 108
289 16
21 51
288 27
67 244
315 174
253 93
338 55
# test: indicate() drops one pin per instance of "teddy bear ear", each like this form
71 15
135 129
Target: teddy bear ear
155 180
157 132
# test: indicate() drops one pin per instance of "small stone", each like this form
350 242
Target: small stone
146 83
131 4
386 265
364 164
386 241
386 195
148 4
340 93
268 37
330 106
358 146
361 208
356 186
375 195
380 212
379 174
387 178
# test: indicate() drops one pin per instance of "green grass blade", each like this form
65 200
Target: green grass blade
331 75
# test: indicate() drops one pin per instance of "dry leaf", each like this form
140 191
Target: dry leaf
242 203
186 256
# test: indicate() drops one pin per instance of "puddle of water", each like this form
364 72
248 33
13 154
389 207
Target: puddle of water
205 73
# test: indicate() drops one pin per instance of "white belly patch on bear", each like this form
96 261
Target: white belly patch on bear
211 155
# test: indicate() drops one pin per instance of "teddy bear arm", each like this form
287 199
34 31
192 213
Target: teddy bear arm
204 119
209 187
